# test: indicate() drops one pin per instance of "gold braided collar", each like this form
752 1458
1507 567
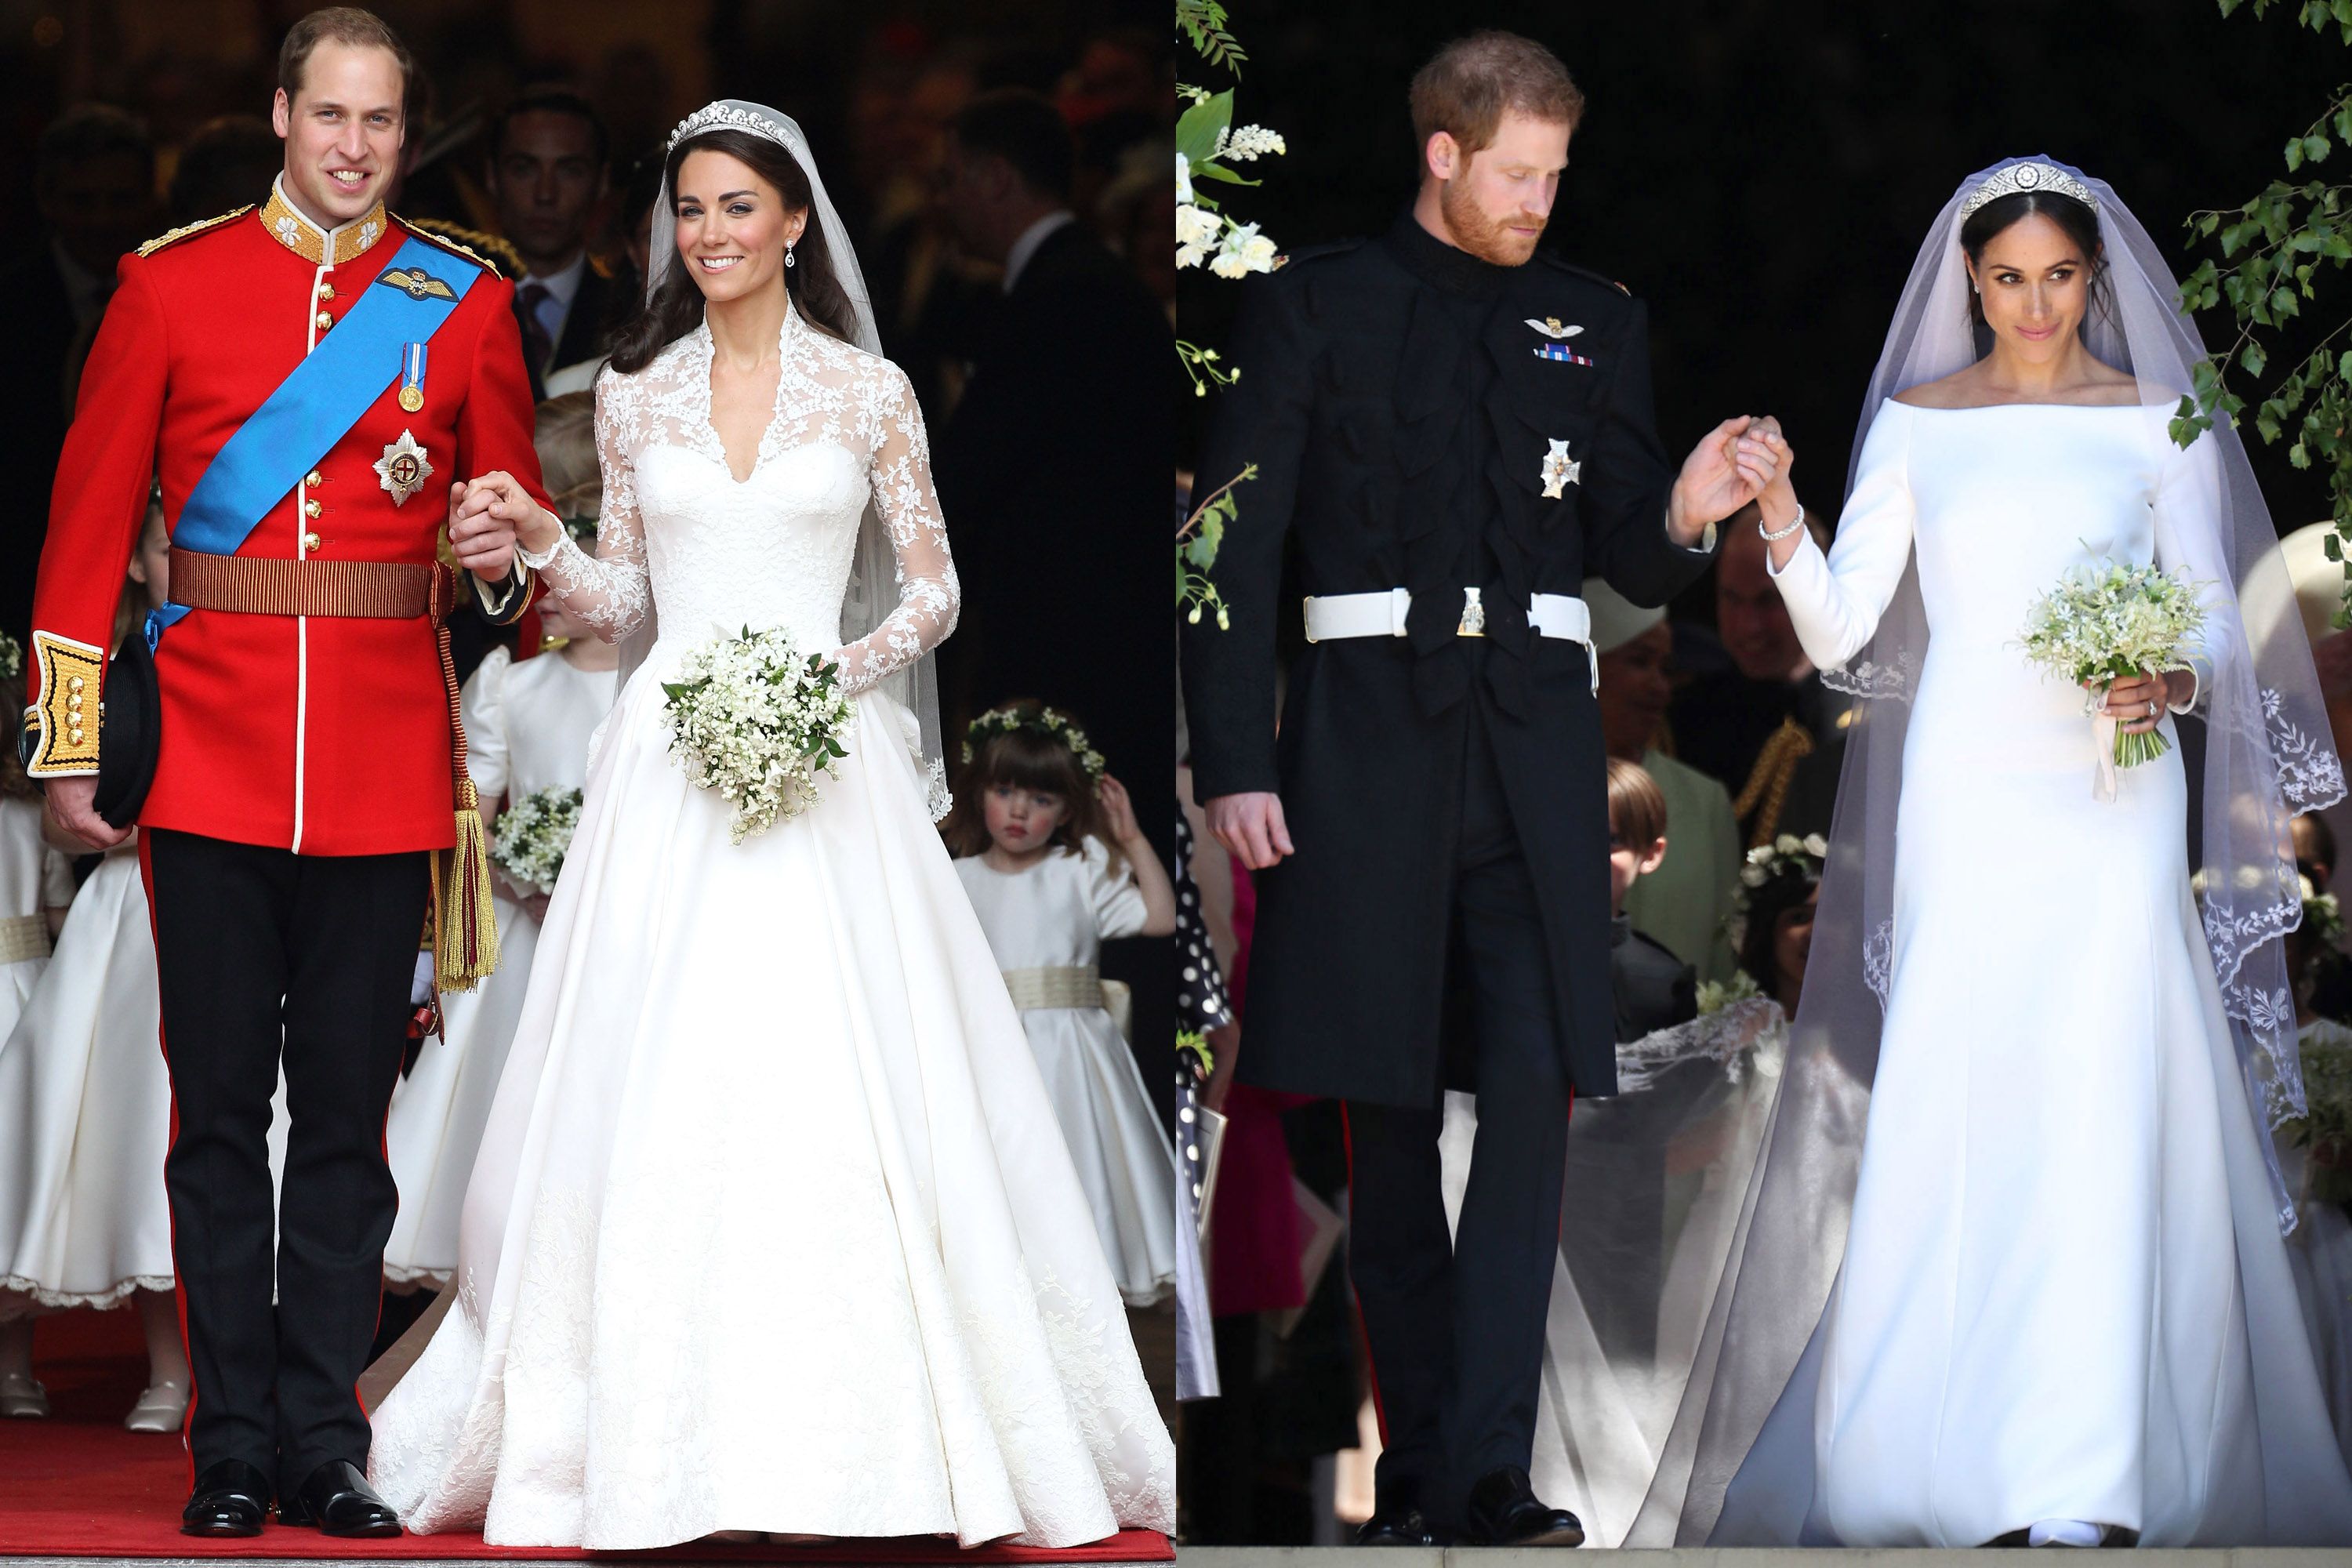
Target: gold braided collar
306 240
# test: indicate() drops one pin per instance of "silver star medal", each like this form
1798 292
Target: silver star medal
1549 327
404 467
1559 470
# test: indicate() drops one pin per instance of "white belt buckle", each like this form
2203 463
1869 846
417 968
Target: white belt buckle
1474 615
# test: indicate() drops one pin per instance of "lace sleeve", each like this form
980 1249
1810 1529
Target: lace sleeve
910 509
611 591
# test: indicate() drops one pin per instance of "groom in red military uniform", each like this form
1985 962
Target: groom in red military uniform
304 383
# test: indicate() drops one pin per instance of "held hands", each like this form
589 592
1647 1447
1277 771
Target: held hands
484 518
1251 827
1730 467
2139 704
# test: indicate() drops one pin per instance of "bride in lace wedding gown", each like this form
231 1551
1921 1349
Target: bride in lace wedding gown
773 1227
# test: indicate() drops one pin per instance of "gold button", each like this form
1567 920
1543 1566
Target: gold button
325 321
74 683
73 700
326 290
315 479
311 508
310 543
74 735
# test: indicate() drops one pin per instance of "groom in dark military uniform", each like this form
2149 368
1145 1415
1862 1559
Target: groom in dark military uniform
303 382
1455 430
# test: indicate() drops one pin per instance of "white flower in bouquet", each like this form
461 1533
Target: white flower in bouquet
1196 233
533 835
756 719
1243 251
2105 622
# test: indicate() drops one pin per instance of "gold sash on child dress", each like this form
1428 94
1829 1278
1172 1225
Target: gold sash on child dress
23 936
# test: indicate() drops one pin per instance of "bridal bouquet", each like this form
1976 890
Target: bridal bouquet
2105 622
532 835
757 720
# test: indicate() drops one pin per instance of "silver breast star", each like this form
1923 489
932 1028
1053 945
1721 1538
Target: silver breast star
1559 470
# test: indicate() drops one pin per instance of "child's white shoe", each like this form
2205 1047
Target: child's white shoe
162 1409
21 1396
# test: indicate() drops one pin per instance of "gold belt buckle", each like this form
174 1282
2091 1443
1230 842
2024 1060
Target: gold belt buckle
1474 615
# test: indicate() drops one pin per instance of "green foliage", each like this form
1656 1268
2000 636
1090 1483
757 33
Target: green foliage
1203 22
2277 253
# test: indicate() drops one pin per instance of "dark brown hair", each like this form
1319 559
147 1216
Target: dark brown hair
353 28
1470 84
676 307
1026 759
2079 222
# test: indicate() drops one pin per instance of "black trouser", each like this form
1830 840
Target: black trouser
264 954
1455 1325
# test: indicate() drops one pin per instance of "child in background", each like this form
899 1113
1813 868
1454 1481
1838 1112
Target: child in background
1050 853
1652 988
86 1115
528 723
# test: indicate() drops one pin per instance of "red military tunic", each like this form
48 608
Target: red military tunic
322 735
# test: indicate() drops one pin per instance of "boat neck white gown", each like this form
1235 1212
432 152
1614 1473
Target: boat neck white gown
773 1227
2064 1294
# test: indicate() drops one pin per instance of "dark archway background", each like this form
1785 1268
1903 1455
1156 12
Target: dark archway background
1762 172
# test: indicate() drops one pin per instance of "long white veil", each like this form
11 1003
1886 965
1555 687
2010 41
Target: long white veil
2265 756
874 573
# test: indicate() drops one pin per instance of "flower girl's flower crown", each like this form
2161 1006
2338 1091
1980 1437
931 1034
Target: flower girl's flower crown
2019 178
1044 722
12 658
726 117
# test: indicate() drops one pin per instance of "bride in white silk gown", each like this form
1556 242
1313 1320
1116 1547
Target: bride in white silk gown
773 1227
2064 1312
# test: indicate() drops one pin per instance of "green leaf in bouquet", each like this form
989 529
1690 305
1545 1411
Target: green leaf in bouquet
1198 128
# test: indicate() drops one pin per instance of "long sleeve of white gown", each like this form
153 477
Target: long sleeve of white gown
929 597
612 590
1834 600
2188 535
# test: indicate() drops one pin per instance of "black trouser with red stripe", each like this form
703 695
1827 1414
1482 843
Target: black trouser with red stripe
265 956
1455 1325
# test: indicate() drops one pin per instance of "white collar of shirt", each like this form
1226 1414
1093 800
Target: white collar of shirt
562 286
1017 259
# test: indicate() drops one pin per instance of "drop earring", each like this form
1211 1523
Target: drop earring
788 253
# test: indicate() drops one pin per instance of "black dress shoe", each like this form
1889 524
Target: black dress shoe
1504 1510
231 1497
338 1501
1396 1527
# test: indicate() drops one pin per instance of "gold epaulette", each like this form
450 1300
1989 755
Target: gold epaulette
486 250
188 230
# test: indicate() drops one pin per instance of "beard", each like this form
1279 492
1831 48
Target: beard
1487 237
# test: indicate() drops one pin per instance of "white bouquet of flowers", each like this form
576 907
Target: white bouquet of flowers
2106 622
757 720
532 835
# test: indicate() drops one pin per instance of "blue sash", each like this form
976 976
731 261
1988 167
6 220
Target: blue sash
316 406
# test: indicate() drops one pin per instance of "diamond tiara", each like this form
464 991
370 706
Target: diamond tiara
2019 178
726 117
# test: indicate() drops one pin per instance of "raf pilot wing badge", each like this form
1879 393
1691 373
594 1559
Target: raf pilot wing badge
417 283
1557 349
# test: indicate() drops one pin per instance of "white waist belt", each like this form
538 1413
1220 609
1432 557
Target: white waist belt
1330 617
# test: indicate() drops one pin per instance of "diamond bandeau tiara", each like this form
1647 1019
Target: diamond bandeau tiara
727 117
2019 178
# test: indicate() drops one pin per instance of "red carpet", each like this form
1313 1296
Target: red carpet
77 1485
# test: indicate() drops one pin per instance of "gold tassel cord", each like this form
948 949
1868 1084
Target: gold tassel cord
466 923
1768 782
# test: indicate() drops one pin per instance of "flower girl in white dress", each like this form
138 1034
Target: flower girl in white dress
1048 847
528 724
772 1228
86 1112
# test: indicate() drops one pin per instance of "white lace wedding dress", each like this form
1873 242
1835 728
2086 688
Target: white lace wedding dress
2064 1294
773 1227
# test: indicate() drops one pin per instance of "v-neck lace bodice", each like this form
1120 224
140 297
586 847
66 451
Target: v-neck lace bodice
679 533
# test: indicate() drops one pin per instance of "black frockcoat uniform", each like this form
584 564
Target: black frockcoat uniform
1400 414
1408 407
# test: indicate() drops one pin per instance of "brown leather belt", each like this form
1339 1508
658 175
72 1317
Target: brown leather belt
371 590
